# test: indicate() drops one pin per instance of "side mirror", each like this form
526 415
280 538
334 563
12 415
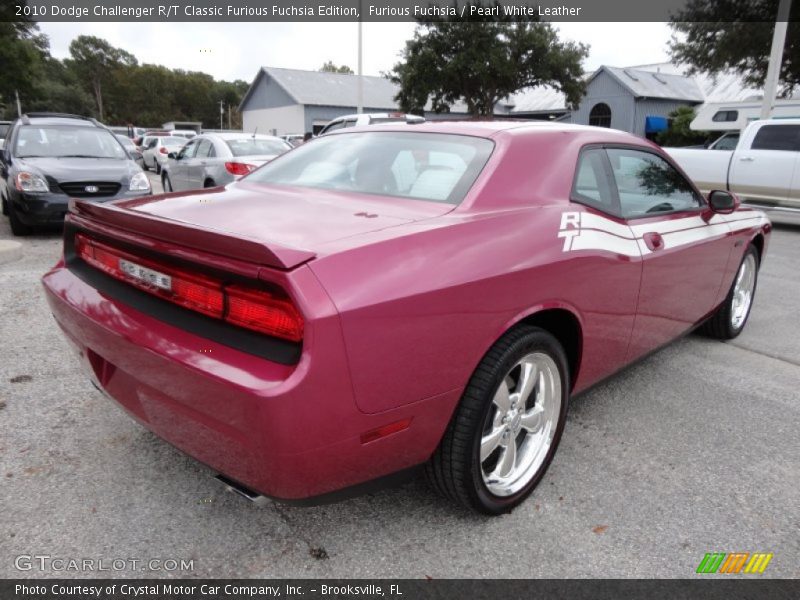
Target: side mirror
723 202
172 155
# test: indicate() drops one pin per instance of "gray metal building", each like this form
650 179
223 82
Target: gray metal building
633 99
286 101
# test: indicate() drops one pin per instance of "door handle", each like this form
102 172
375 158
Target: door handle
747 159
653 240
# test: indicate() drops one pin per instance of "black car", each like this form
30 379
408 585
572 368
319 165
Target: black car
49 158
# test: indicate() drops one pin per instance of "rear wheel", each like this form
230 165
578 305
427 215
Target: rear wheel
730 318
144 164
209 183
157 166
166 183
507 426
17 226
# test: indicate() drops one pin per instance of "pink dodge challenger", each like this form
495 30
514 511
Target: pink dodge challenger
399 296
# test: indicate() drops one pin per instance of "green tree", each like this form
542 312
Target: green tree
482 62
741 42
22 50
96 61
329 67
58 90
679 132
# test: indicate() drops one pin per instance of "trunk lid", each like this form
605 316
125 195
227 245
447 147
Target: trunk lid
281 227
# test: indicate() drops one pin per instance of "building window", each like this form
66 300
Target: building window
600 116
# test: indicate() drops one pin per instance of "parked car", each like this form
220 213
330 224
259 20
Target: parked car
392 298
131 148
369 119
293 139
215 159
184 133
51 157
154 154
128 131
761 168
4 127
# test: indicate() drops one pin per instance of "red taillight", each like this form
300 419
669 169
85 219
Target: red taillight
250 308
261 311
163 150
235 168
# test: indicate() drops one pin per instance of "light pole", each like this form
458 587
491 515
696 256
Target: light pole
775 58
360 100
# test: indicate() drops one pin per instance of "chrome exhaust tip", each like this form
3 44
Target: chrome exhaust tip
240 490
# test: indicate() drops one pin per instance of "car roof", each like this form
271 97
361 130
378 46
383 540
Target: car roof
489 128
59 121
240 136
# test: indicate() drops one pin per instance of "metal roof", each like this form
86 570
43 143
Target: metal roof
655 84
333 89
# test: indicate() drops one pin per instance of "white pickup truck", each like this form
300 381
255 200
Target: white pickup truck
763 169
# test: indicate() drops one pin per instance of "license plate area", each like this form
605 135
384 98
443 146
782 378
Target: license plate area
146 275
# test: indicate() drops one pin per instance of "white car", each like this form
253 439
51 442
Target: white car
156 148
369 119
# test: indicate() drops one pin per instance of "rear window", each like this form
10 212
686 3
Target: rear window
777 137
64 141
255 147
173 141
424 166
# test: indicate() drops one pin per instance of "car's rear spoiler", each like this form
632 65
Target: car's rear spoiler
186 234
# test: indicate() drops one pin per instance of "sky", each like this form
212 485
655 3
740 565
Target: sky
232 51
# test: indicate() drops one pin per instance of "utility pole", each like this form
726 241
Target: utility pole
229 117
221 113
19 106
775 58
360 105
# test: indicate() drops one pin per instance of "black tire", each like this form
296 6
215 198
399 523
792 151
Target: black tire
209 183
18 228
166 183
720 324
455 468
157 166
4 206
144 165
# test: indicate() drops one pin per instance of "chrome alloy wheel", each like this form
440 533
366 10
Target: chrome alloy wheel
521 424
743 291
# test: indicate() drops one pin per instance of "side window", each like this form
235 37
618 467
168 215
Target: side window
649 185
777 137
350 123
188 150
592 185
152 143
727 142
203 148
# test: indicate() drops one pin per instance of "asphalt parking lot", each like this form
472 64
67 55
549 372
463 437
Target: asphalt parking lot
694 450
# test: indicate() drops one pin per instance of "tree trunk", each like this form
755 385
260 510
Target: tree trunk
98 95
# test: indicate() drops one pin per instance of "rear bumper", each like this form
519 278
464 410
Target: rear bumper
288 432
